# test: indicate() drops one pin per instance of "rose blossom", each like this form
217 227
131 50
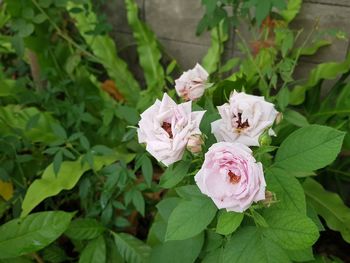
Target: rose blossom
194 144
191 84
231 177
165 127
244 119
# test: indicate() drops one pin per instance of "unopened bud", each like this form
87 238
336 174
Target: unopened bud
194 144
265 139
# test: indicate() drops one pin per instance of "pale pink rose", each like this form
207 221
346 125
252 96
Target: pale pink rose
231 177
192 83
166 127
244 119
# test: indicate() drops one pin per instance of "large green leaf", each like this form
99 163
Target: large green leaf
104 49
131 249
148 51
325 71
174 174
190 218
213 57
290 229
50 184
16 117
309 148
288 190
94 252
29 234
84 228
180 251
249 245
330 206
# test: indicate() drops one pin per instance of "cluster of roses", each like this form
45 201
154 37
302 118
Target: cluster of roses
230 175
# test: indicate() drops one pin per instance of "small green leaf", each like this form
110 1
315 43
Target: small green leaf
295 118
147 170
139 202
34 232
84 228
228 222
94 252
174 174
131 249
190 218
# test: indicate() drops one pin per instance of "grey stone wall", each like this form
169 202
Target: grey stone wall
175 22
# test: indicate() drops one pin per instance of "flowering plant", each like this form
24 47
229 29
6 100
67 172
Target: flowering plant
227 177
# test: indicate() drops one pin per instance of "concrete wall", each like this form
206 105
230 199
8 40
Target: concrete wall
175 24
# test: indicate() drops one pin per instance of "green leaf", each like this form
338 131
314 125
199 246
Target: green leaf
166 206
103 47
51 184
295 118
288 190
131 249
309 148
311 49
190 218
147 170
218 37
290 229
34 232
148 51
329 70
174 174
139 202
94 252
229 65
84 228
181 251
228 222
17 117
301 255
330 206
293 8
249 245
262 10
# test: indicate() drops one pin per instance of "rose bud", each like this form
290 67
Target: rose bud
244 119
231 177
192 83
194 144
165 128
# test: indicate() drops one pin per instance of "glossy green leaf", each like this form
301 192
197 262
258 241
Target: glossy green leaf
288 190
228 222
249 245
324 71
174 174
17 117
290 229
213 57
309 148
50 184
34 232
190 218
330 206
94 252
148 51
301 255
84 228
104 49
131 249
295 118
293 8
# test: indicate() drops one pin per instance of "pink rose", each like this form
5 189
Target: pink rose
191 84
166 127
231 177
244 119
194 144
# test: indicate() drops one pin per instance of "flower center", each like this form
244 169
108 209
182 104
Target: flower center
240 124
234 179
167 127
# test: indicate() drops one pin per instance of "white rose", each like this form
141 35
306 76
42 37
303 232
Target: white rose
191 84
244 119
166 127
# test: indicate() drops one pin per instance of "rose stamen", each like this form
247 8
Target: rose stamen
167 127
234 179
240 124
